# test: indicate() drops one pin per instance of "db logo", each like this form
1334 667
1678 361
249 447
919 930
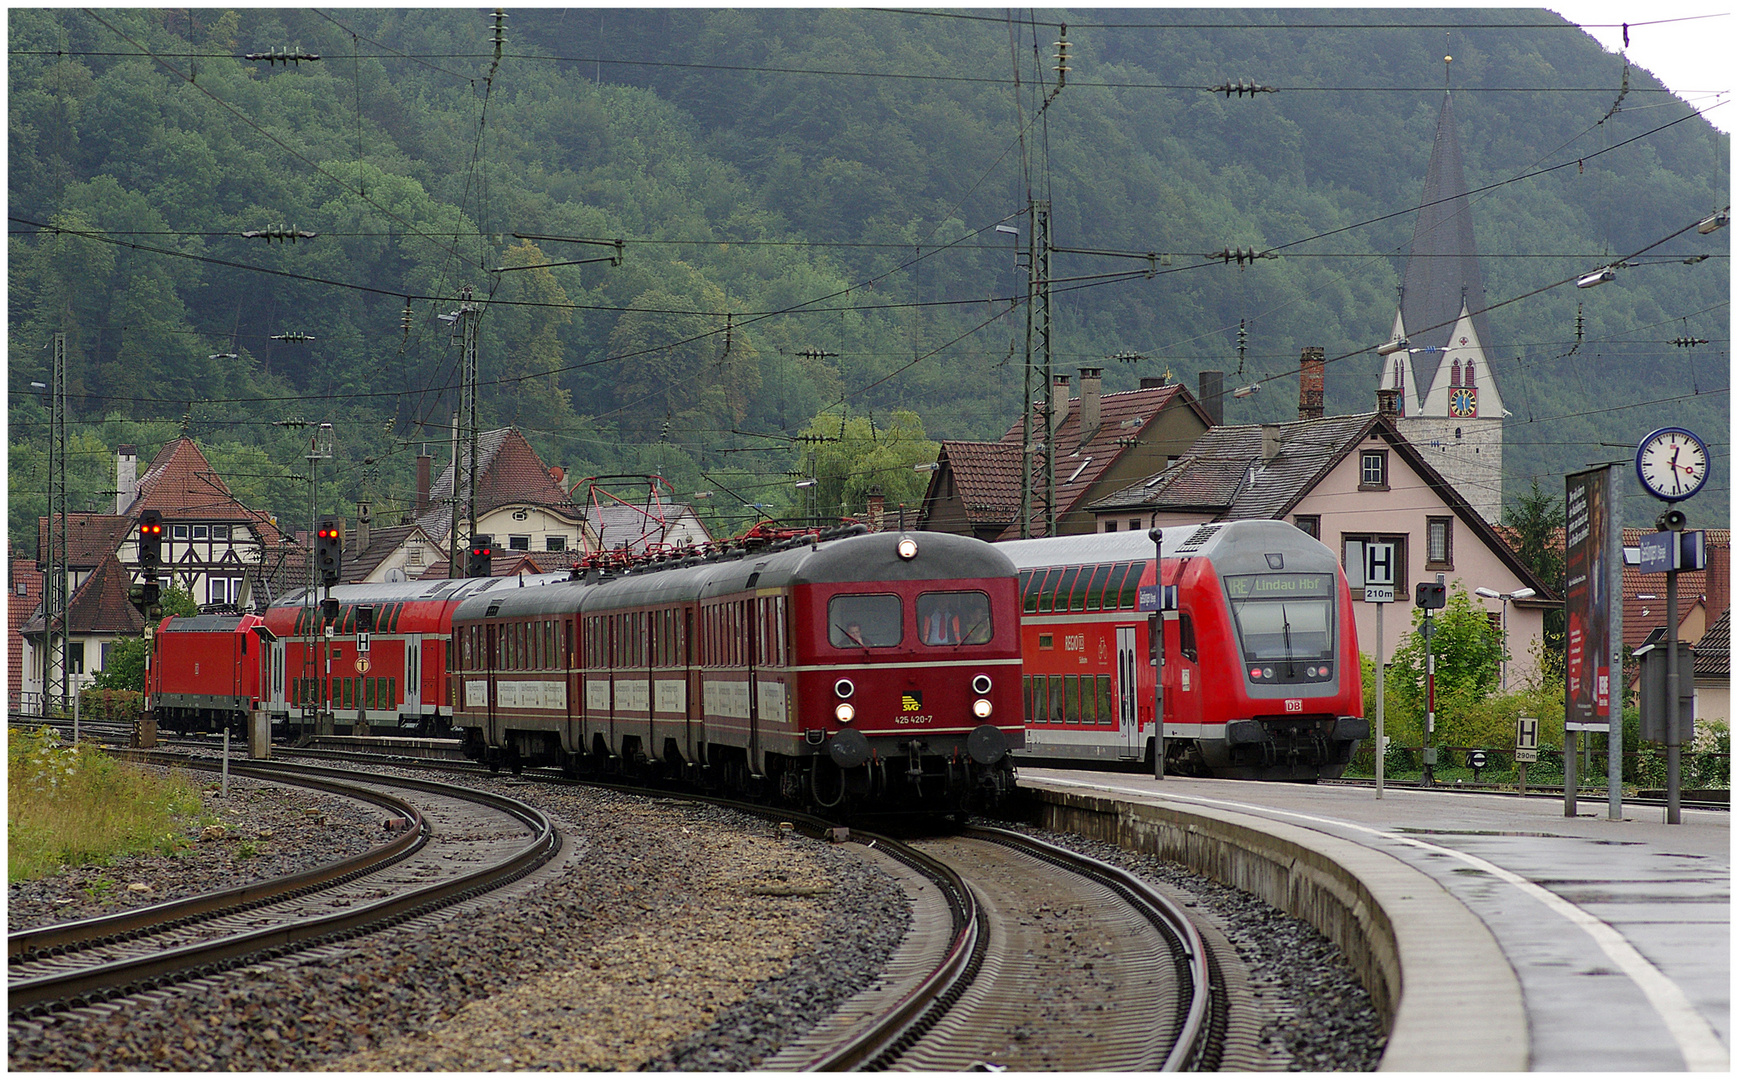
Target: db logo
1294 705
911 701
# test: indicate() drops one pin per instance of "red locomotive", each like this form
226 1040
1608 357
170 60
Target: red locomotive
207 672
1261 672
839 669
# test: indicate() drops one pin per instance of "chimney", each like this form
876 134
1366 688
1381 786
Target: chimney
1388 403
364 518
1212 384
1312 379
1058 402
126 477
1091 379
423 465
877 509
1269 443
1152 382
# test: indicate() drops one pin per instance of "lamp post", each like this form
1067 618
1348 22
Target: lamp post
1505 597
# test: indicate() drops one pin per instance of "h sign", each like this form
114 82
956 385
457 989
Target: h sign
1379 564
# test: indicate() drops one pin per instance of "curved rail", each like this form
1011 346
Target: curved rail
101 982
1194 968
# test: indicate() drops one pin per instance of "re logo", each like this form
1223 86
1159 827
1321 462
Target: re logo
911 701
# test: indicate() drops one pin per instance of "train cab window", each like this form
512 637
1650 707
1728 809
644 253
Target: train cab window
875 620
1283 616
954 618
1095 588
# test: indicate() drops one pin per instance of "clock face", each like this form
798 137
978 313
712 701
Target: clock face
1463 401
1672 464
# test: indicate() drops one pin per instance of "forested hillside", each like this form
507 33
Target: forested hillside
808 205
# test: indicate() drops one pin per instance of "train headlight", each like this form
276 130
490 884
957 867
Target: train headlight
845 711
981 708
980 685
907 548
844 688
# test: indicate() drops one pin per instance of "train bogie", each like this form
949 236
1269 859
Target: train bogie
1255 631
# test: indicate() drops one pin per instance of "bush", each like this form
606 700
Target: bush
73 805
96 703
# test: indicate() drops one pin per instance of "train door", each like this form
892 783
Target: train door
277 696
1127 697
413 675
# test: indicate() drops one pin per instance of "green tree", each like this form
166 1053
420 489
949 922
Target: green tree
125 669
1468 654
851 458
1537 519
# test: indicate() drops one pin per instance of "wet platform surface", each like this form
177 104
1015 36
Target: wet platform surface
1618 930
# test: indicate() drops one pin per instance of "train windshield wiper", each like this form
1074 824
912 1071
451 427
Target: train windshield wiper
966 638
1285 629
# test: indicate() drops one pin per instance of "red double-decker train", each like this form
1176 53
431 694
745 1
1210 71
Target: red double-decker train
866 671
1260 661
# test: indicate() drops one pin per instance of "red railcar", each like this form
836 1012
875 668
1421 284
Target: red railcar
207 672
870 671
392 677
1261 673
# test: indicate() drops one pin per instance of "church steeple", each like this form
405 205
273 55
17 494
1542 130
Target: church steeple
1443 269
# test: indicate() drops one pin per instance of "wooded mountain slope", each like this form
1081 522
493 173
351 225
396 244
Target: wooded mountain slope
808 200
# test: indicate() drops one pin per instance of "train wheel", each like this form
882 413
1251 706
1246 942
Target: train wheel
570 766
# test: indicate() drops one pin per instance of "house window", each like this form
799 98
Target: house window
75 658
1309 523
1439 543
555 543
201 532
177 532
220 532
518 543
1352 559
1373 470
413 555
1110 526
219 590
1134 524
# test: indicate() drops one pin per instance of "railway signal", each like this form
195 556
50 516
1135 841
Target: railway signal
329 550
480 558
150 538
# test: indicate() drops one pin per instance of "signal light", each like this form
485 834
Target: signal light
479 559
150 538
329 550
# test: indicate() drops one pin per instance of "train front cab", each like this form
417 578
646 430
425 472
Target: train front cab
1285 694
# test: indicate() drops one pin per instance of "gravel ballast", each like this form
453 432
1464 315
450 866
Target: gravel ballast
668 937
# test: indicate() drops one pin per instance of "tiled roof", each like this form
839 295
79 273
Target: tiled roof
181 483
987 476
1714 651
90 538
19 607
508 471
1122 416
1644 595
382 542
1224 472
99 605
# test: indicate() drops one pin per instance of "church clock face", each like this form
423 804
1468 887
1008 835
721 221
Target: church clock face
1672 464
1463 402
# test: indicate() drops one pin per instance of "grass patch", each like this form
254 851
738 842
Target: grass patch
75 806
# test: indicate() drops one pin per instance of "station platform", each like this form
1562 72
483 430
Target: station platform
1613 937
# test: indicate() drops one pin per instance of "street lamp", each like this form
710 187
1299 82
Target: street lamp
1505 597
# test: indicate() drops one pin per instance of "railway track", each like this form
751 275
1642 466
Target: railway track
1050 960
76 964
